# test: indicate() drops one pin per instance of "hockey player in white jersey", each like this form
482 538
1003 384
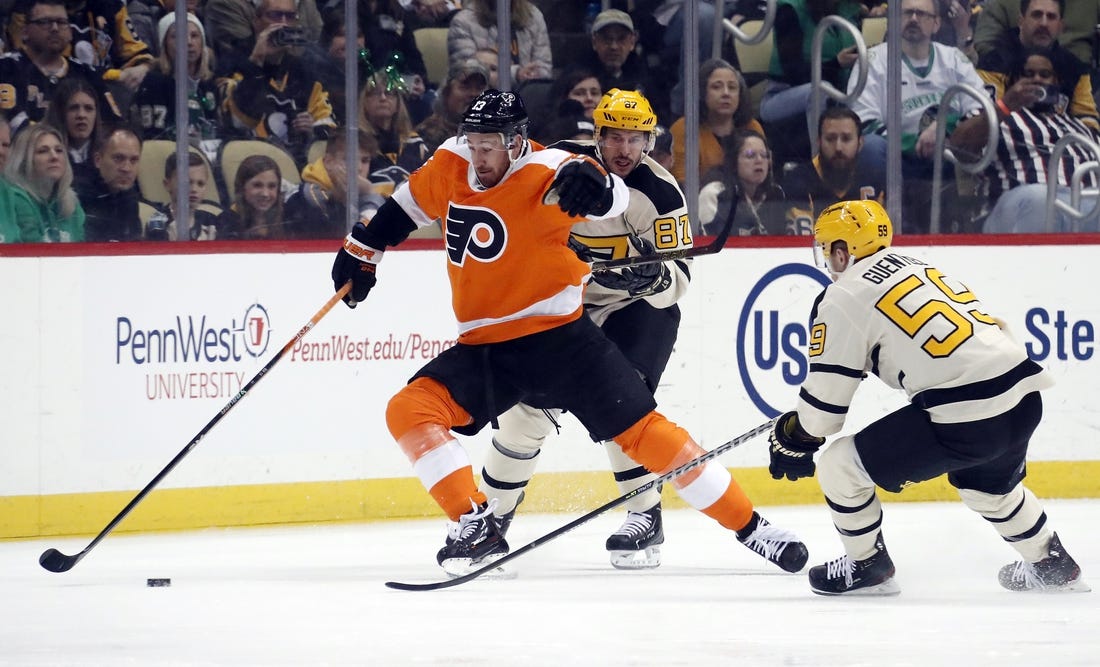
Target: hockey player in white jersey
635 307
973 404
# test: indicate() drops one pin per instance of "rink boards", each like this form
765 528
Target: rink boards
113 362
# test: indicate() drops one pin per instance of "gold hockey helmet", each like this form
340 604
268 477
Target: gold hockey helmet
862 223
625 110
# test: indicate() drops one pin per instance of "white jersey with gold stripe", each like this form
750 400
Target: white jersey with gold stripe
918 330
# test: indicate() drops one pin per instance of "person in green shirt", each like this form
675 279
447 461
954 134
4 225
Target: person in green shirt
45 206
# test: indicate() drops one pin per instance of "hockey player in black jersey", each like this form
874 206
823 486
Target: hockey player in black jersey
973 405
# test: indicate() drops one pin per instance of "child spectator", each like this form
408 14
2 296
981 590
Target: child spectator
319 208
257 209
202 222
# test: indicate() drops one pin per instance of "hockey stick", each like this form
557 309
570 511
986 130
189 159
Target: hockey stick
55 561
711 248
554 534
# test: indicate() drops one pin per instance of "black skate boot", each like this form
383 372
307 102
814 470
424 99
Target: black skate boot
775 544
1057 573
844 576
472 542
636 544
505 522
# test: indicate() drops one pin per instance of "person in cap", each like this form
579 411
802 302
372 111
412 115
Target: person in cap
614 59
153 107
465 81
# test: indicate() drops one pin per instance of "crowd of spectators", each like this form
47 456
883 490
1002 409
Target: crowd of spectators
85 85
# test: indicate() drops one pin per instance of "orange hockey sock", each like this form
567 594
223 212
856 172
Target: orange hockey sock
661 446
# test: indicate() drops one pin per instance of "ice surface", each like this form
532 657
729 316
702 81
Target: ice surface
314 595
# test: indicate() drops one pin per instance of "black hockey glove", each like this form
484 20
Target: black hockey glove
356 261
641 280
792 449
583 187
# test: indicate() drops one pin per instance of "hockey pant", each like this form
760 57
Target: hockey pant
421 415
511 461
851 467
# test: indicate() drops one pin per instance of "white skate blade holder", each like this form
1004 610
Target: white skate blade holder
643 559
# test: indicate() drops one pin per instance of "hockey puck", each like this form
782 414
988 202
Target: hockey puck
158 583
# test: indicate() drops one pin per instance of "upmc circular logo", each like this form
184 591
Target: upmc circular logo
772 335
257 330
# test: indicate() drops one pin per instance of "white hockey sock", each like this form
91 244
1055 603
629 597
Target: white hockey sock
1017 516
850 494
630 475
510 462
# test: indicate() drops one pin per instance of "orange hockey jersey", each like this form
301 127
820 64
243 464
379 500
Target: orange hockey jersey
511 270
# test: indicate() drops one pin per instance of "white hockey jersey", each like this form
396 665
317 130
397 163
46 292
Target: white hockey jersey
657 212
921 88
901 319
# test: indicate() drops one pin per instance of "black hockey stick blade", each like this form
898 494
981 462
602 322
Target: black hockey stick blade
55 561
711 248
554 534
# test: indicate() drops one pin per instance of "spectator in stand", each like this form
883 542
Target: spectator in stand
1033 117
271 93
31 75
257 208
465 81
383 115
928 70
110 198
836 174
1076 31
430 13
153 107
5 140
474 27
74 110
957 27
389 41
724 106
576 85
45 209
146 14
744 187
786 101
670 13
230 25
1040 26
326 60
614 59
571 124
202 223
488 58
318 210
104 39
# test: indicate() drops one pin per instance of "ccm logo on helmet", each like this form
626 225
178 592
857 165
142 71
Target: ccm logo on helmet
769 330
475 232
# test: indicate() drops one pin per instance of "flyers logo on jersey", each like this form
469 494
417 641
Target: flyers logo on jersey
473 231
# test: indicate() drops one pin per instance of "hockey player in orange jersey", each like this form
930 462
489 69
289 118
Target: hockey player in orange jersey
507 208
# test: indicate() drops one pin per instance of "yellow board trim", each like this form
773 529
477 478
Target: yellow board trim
405 498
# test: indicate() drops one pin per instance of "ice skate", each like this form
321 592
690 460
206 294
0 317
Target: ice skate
473 542
779 546
1057 573
505 522
844 576
636 544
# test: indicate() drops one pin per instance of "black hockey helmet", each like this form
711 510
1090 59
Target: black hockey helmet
495 111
